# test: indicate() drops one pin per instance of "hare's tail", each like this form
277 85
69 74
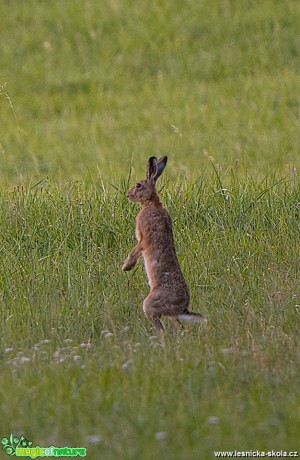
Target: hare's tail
192 316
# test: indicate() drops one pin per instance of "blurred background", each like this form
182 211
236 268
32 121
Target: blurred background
89 88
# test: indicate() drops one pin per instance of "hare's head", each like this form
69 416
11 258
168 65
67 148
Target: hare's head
145 190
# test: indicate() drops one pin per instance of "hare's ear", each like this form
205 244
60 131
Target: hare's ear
160 165
151 168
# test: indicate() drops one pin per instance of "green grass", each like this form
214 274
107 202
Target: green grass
231 384
88 91
100 83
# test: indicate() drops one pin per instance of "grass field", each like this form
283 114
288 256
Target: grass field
88 91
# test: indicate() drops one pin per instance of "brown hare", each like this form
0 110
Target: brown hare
169 293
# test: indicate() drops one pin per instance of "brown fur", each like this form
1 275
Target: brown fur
169 292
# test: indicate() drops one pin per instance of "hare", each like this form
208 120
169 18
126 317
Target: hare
169 293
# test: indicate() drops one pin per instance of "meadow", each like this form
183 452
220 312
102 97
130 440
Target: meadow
89 90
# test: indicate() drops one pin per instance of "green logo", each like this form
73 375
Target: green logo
21 447
11 444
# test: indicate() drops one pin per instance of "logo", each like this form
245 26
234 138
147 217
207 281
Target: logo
22 447
10 445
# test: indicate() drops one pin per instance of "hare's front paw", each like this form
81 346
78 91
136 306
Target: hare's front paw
127 266
129 263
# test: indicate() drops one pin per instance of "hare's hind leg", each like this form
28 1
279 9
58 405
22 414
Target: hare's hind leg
152 312
157 323
175 321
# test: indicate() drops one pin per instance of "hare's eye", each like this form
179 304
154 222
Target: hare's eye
138 185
